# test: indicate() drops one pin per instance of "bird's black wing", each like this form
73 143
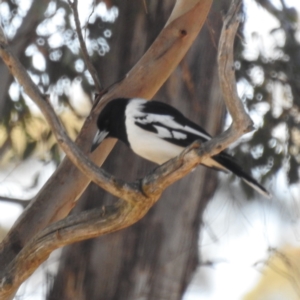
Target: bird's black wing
170 124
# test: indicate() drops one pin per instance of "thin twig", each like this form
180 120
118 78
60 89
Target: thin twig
93 10
85 54
23 203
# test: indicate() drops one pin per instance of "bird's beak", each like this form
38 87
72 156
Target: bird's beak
99 137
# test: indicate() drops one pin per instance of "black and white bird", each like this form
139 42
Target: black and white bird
158 132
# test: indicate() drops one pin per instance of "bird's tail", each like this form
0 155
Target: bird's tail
230 164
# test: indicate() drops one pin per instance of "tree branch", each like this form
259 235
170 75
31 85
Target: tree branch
241 120
116 187
85 55
154 67
23 203
111 218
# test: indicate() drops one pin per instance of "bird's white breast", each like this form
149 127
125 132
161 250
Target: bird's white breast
146 144
149 146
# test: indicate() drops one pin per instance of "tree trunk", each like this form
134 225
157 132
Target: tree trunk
155 258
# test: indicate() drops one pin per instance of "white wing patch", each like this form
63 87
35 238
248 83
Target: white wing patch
191 130
134 111
179 135
169 122
163 132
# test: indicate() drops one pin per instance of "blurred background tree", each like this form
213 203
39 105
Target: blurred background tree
156 258
272 73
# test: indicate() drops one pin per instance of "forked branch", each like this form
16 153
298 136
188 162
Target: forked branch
138 196
154 67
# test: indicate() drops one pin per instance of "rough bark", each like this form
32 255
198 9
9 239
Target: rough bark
155 258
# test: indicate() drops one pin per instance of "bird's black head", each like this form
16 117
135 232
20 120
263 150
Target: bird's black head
111 122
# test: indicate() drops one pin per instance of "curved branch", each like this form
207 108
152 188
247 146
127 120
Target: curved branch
116 187
86 57
154 68
108 219
227 70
